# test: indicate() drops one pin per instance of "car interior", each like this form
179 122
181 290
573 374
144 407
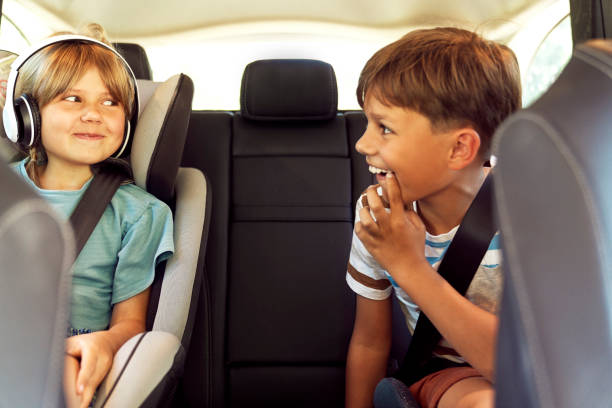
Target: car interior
254 310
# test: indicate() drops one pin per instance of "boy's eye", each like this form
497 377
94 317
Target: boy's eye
109 102
72 98
385 130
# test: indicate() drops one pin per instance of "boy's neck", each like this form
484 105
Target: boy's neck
445 210
57 177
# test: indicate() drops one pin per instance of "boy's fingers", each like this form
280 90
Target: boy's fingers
393 193
375 202
365 219
415 220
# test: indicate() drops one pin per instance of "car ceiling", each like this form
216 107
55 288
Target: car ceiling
142 18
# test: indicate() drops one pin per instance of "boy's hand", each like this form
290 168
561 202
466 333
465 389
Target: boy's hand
96 354
397 238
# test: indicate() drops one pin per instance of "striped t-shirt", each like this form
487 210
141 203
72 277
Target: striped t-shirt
368 279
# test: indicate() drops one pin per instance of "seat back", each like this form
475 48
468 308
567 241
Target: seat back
289 311
36 252
285 176
554 198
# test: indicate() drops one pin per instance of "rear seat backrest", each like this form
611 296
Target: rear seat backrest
284 176
289 312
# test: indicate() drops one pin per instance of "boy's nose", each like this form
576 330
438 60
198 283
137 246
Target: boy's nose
366 144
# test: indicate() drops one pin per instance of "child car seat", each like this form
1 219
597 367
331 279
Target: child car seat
146 369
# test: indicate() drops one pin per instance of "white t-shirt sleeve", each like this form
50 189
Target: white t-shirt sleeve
364 275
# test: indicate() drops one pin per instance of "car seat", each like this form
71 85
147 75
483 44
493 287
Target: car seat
36 253
554 199
147 367
285 175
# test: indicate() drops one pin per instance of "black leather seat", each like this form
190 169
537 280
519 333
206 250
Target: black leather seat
554 197
285 176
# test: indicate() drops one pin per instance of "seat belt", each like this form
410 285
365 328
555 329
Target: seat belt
458 267
90 208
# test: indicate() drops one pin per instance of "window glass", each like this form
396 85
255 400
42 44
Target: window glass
549 60
215 58
11 38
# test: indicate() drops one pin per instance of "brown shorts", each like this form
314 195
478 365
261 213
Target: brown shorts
428 390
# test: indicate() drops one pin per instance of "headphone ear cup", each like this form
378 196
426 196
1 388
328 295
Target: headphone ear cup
28 120
128 129
124 149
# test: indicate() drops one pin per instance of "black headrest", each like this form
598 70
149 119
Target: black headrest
289 89
137 59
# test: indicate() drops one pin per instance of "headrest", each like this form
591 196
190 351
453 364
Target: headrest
288 89
136 58
160 135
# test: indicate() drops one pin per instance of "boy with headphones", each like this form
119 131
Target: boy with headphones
75 103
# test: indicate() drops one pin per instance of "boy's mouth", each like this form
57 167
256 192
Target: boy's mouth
378 171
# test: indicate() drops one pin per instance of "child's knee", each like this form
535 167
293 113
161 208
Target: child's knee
473 392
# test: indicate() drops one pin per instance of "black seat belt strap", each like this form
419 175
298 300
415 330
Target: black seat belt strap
90 208
458 267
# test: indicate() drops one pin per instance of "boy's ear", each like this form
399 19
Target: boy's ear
466 144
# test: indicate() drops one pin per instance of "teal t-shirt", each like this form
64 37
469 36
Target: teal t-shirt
118 261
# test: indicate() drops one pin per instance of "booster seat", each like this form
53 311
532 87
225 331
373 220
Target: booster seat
146 369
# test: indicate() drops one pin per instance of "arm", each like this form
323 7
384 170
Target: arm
96 350
397 241
471 330
368 350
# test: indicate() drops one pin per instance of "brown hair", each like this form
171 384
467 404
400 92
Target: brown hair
452 76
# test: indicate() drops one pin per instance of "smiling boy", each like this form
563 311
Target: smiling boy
433 100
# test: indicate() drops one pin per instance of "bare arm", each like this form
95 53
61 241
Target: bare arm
96 350
397 241
368 350
471 330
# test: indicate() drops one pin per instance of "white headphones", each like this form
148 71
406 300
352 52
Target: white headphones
21 118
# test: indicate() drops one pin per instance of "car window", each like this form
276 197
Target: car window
549 60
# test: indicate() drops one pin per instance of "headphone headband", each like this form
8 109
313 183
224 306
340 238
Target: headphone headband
9 115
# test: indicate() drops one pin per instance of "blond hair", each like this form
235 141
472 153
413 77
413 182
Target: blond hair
57 67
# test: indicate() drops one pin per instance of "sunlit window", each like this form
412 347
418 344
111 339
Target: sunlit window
215 59
549 60
11 37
